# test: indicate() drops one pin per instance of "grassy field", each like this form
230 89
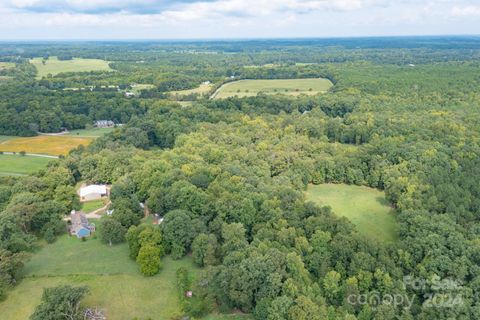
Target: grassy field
93 205
6 65
54 66
51 145
21 165
90 133
116 286
201 89
367 208
246 88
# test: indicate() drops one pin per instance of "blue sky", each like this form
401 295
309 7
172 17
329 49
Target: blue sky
191 19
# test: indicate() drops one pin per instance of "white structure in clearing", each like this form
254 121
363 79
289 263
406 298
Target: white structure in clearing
93 192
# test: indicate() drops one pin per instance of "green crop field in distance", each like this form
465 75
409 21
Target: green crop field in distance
247 88
54 66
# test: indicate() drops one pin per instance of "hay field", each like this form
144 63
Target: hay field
50 145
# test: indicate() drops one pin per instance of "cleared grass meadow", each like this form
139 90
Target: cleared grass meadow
21 165
50 145
116 285
54 66
248 88
365 207
201 89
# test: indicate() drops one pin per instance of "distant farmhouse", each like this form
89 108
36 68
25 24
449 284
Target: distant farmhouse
104 124
80 226
93 192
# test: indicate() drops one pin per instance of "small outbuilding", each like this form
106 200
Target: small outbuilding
104 124
93 192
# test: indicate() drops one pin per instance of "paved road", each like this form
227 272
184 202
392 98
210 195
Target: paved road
32 155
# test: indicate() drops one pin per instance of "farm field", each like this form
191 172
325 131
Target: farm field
201 89
54 66
50 145
116 285
21 165
90 133
247 88
365 207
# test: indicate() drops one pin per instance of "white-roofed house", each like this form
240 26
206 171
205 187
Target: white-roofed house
93 192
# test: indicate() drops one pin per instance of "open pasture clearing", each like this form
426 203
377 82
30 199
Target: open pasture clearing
365 207
21 165
248 88
51 145
54 66
204 88
90 133
116 285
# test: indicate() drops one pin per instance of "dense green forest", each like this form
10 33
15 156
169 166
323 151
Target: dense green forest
229 176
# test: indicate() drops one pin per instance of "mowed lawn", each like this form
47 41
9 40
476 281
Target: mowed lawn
246 88
50 145
93 205
90 133
116 285
54 66
365 207
21 165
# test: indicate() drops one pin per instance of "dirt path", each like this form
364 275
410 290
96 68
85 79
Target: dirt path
95 213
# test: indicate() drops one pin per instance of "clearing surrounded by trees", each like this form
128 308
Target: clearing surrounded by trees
55 66
365 207
248 88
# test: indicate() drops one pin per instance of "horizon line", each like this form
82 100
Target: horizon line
224 39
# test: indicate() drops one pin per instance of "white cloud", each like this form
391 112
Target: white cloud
259 8
467 11
233 18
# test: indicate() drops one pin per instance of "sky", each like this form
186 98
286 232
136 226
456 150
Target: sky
227 19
